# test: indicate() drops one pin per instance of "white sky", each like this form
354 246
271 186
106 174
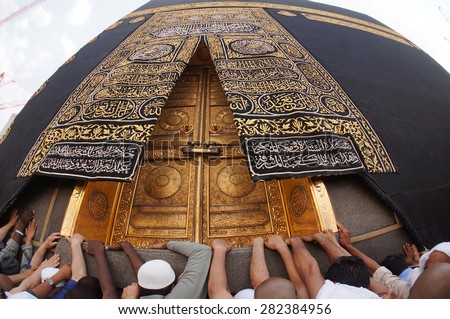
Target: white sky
36 43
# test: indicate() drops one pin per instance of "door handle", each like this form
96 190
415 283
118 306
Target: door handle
199 148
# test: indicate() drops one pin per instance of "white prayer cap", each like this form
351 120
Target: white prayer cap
155 274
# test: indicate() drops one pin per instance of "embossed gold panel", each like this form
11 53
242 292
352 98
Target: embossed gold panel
97 209
301 212
185 191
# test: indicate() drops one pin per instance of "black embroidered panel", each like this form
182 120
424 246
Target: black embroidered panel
92 160
283 156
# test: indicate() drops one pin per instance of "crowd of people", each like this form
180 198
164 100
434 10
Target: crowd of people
27 274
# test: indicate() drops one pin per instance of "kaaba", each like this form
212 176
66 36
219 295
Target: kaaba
196 120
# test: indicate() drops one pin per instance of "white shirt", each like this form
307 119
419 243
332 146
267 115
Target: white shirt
331 290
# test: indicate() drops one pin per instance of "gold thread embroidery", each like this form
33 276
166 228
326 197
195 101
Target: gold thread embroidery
93 40
272 83
286 13
358 27
114 25
6 133
70 59
369 25
139 19
41 88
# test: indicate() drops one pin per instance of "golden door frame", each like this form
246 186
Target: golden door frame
79 216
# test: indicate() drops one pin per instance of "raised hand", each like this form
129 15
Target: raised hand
131 292
30 231
344 236
123 245
412 255
13 218
95 247
258 241
76 239
220 244
51 262
51 241
26 217
293 241
275 242
162 245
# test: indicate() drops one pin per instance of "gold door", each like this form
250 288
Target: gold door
194 183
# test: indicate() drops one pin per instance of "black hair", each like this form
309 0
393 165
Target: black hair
87 288
163 291
395 263
349 270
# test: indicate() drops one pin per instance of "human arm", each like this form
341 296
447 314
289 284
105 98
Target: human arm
27 248
345 241
12 221
78 263
30 231
97 249
39 254
24 220
18 278
34 280
134 258
388 281
377 286
42 290
307 266
131 291
192 283
275 242
217 282
333 251
258 266
412 255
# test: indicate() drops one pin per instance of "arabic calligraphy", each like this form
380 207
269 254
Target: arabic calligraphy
299 156
91 160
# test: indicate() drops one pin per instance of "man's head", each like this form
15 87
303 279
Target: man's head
9 265
395 263
433 283
349 270
87 288
156 277
275 288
